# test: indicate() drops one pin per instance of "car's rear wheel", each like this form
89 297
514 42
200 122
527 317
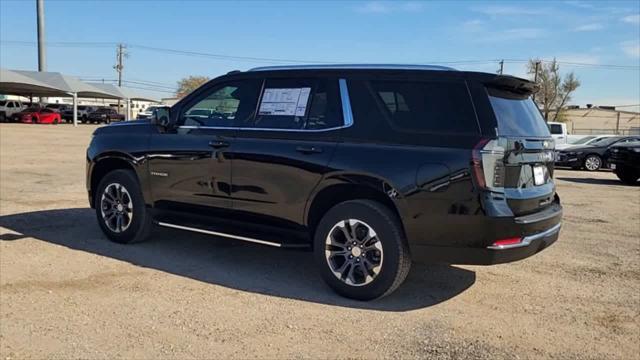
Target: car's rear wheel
592 162
107 120
628 175
120 208
361 250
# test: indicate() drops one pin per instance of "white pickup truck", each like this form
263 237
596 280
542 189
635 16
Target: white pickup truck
10 107
559 133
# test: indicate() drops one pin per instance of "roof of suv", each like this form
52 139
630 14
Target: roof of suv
354 67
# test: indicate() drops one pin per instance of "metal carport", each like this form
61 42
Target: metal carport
124 93
72 85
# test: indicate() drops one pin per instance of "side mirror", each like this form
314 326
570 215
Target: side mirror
162 117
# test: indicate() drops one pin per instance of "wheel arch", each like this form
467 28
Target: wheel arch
107 162
336 190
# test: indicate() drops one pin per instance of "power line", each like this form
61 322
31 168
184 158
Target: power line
285 60
579 64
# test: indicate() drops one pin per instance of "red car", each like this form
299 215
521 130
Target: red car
37 115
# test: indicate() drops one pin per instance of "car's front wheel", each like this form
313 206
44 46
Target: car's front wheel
361 250
592 162
120 208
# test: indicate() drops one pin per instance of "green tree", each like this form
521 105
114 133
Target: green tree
555 90
188 84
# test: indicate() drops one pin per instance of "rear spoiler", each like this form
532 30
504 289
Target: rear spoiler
513 84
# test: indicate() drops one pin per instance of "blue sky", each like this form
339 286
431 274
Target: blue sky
601 33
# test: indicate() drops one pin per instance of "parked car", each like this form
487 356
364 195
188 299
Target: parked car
83 113
624 160
10 107
371 167
104 115
146 113
590 157
59 108
38 115
589 139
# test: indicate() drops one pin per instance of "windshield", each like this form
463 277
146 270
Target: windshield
583 140
605 141
150 109
3 103
517 116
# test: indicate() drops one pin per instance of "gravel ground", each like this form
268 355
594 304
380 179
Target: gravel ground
66 292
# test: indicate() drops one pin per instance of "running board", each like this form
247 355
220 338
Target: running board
215 233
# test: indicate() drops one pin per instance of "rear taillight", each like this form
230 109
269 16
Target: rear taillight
509 243
488 164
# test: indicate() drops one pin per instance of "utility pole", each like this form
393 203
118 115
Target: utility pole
501 66
618 123
119 67
42 51
42 56
535 77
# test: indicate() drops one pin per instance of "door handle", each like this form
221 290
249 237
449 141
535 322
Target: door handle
309 149
218 144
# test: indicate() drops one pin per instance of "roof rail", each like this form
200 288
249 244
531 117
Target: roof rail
354 67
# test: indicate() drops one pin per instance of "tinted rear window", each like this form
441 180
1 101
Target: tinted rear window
517 116
440 107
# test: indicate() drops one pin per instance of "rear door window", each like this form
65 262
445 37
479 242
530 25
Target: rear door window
517 116
435 107
298 104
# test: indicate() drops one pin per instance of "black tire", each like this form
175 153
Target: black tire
396 259
627 175
3 117
141 222
107 121
55 121
84 118
597 160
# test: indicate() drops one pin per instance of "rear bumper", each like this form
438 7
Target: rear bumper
537 232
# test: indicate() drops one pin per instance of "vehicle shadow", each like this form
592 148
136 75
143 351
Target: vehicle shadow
237 265
592 181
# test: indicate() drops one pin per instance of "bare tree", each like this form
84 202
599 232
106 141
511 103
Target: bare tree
188 84
555 90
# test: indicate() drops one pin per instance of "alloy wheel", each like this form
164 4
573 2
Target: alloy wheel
592 163
116 207
354 252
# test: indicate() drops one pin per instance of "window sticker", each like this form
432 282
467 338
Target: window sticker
285 102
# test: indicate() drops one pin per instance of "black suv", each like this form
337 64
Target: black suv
624 160
371 167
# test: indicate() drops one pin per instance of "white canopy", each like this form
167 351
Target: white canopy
70 84
14 83
36 83
123 92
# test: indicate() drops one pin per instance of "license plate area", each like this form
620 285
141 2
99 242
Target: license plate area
539 174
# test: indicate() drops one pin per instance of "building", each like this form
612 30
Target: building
601 120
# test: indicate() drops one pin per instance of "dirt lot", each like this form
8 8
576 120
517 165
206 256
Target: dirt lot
65 292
